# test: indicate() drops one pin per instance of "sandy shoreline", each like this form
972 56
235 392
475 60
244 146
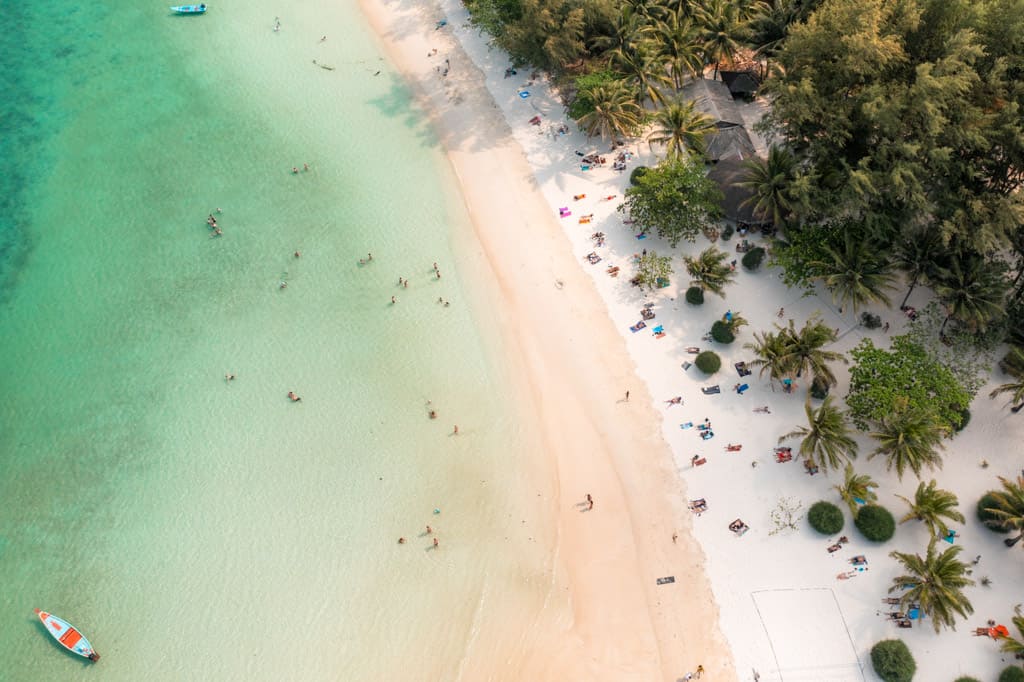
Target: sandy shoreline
623 625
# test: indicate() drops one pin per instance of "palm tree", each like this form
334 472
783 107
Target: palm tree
770 181
1009 509
770 349
644 71
936 582
769 28
1015 388
681 125
627 29
856 489
826 438
909 438
917 255
709 271
804 349
859 273
721 31
1011 645
679 49
931 505
615 111
972 290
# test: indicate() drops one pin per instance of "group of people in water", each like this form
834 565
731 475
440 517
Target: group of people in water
212 222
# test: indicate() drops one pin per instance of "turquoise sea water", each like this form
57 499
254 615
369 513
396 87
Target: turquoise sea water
200 529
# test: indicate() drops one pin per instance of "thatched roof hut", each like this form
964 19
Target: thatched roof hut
727 173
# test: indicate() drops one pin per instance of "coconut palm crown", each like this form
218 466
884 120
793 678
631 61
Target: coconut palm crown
826 439
935 582
932 505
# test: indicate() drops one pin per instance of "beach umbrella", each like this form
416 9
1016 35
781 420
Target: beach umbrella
999 631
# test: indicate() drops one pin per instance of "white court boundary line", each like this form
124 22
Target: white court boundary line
839 610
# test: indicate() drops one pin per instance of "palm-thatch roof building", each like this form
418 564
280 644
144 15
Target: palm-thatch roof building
727 174
729 140
740 83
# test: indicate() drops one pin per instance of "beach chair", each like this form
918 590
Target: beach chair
698 506
783 457
810 467
740 388
711 390
659 329
686 365
687 425
739 527
693 350
707 435
638 326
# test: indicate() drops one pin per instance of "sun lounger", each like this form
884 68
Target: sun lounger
892 601
659 329
711 390
707 435
741 369
733 448
667 580
905 623
783 457
810 467
698 506
834 548
700 462
739 527
638 326
859 560
687 425
686 365
593 258
740 388
693 350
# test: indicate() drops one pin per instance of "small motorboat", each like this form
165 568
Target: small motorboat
68 635
189 9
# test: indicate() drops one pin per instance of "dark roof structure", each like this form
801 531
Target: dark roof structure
727 174
714 99
730 140
740 83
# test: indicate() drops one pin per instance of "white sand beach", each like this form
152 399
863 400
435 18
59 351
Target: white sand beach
774 596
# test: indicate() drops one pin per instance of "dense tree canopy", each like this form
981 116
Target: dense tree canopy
675 198
908 114
882 380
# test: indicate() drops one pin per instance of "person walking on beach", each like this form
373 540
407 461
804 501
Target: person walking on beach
429 530
455 431
700 671
590 502
394 300
436 543
782 311
627 396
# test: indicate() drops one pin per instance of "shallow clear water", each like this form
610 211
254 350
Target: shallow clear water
200 529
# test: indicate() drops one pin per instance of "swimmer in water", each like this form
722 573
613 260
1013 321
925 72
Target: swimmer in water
401 541
293 397
229 377
433 414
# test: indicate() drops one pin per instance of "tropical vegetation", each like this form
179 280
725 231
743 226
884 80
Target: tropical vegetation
932 506
825 517
856 489
826 440
1008 510
909 439
892 661
934 582
675 198
875 523
708 362
709 271
652 270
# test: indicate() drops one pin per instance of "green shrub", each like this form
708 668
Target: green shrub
695 296
637 173
727 232
826 518
582 104
965 419
752 259
1012 674
708 362
722 332
870 321
819 388
892 661
875 523
967 679
986 502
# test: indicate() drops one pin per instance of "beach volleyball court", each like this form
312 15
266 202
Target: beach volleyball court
808 636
